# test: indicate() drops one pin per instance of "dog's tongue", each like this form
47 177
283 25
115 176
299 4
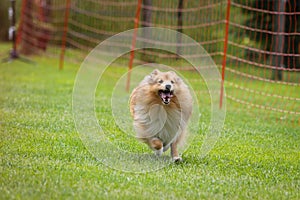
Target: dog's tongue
166 95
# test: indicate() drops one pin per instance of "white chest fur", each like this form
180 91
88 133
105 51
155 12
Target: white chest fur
158 121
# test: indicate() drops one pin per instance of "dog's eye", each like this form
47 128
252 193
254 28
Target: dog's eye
160 81
172 82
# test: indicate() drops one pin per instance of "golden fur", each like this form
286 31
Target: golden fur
161 106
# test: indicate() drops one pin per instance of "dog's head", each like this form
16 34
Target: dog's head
164 84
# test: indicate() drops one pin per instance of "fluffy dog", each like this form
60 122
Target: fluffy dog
161 106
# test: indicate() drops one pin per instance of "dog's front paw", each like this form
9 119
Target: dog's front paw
177 159
159 152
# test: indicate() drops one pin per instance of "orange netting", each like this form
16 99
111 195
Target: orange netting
256 42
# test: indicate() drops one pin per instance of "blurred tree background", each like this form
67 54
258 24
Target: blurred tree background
249 17
269 22
4 20
4 5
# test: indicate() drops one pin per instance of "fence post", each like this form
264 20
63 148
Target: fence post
64 36
225 52
136 25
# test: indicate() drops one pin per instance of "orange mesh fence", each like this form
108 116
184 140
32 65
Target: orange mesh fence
256 43
262 71
40 26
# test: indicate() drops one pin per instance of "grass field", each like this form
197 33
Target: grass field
42 156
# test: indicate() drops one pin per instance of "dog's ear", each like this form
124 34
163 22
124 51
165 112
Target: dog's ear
151 77
177 78
155 72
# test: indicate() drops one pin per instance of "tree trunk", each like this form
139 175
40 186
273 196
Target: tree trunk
146 22
279 22
179 25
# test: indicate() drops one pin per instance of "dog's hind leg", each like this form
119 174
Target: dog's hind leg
157 145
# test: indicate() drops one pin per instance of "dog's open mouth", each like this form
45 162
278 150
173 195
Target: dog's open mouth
165 96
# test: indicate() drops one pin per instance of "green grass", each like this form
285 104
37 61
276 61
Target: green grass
42 156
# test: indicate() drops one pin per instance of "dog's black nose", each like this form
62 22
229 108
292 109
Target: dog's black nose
168 87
